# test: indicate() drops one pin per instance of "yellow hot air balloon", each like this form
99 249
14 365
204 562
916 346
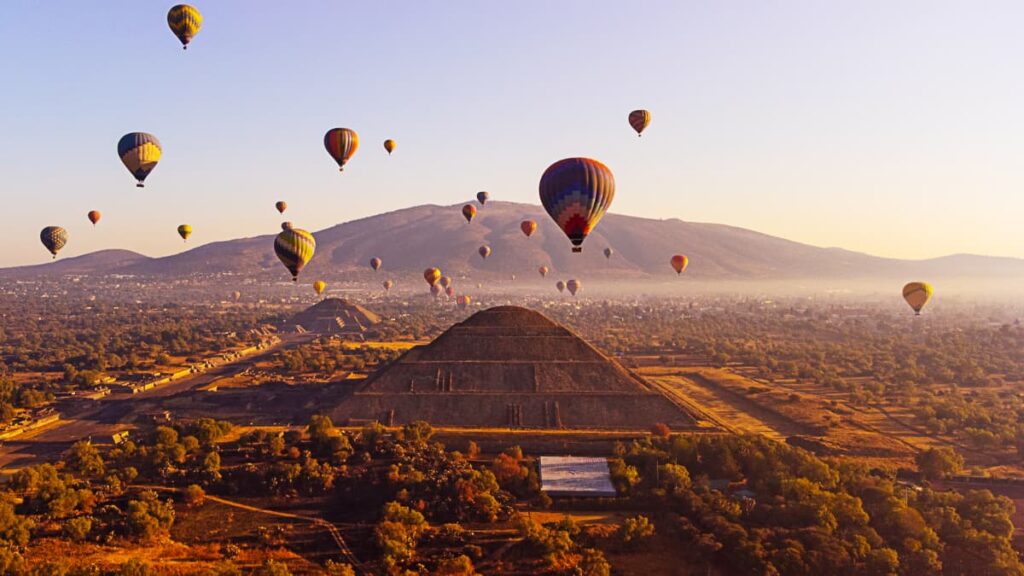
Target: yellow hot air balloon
679 263
185 21
294 248
432 275
917 294
389 145
319 286
184 231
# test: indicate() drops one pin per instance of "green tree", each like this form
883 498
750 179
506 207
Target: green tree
938 463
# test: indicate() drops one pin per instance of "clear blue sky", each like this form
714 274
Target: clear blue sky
895 128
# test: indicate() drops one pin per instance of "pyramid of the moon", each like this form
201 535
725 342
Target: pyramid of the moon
509 367
334 316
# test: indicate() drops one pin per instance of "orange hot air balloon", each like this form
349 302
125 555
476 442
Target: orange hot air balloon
432 275
389 145
679 263
445 281
375 263
281 206
560 285
528 227
484 251
450 291
543 271
387 285
469 212
574 286
94 216
341 144
319 286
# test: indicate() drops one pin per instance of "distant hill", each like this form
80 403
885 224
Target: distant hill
411 239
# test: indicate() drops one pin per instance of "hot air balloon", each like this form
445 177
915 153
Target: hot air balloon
432 275
294 248
319 286
139 153
528 227
574 286
236 295
917 294
389 145
560 285
484 251
54 238
468 212
450 291
679 263
463 301
281 206
543 271
286 225
576 192
608 253
341 144
387 285
483 197
184 231
435 290
375 263
185 21
445 281
94 216
513 277
639 119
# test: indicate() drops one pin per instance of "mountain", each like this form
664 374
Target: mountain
411 239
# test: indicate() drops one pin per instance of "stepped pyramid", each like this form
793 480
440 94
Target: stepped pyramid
334 316
510 367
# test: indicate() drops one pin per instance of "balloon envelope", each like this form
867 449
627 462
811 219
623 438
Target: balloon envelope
576 192
560 285
917 294
528 227
139 152
185 21
679 263
281 206
484 251
54 238
294 248
573 286
389 145
319 286
184 231
543 271
639 119
94 216
432 275
375 263
468 212
341 144
608 252
483 197
387 285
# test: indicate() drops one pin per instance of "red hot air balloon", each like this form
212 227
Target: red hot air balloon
679 263
576 192
468 212
528 227
432 275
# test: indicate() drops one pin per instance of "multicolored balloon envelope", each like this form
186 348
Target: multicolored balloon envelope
54 238
94 216
917 294
639 119
528 227
432 275
469 212
185 21
281 206
139 152
389 145
679 263
184 231
576 192
294 248
483 197
341 144
574 286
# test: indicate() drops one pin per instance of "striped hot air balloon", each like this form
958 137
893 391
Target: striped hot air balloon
54 238
185 21
140 153
294 248
917 294
469 212
576 192
341 144
94 216
639 119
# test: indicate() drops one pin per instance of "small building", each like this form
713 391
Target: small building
576 476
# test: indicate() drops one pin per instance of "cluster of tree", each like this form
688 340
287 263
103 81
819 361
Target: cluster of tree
810 516
328 357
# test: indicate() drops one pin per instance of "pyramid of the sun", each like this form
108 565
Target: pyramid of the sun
510 367
334 316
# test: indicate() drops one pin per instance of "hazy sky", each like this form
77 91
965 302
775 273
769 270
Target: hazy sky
891 127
